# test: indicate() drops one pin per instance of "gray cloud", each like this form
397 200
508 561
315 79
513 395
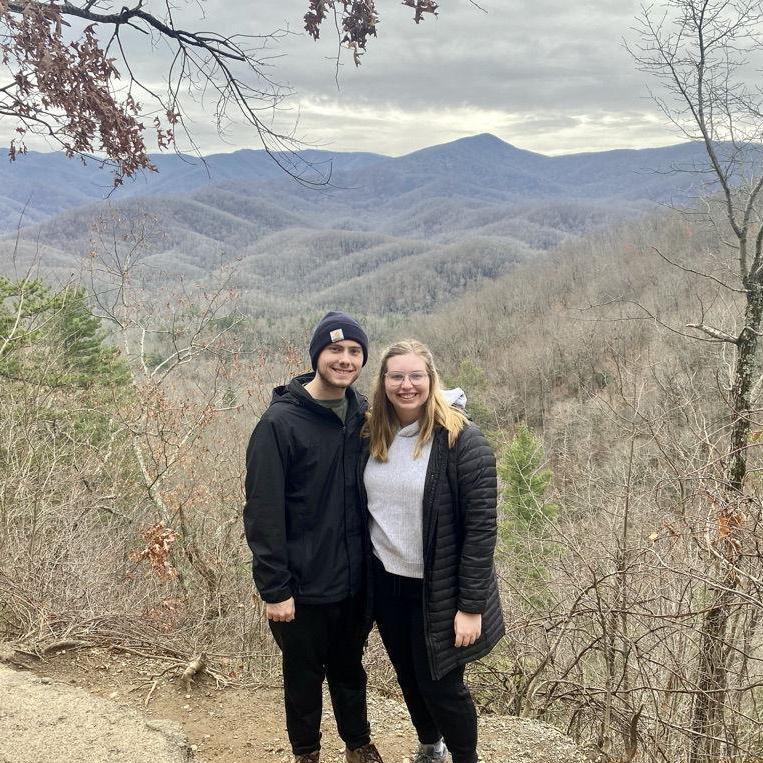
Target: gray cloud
518 66
550 76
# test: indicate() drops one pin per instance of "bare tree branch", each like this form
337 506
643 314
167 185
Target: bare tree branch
71 90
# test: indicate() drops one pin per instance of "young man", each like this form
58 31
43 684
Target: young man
303 524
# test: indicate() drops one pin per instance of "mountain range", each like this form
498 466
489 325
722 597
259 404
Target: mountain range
370 232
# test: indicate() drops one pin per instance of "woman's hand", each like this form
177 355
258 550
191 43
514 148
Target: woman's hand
468 628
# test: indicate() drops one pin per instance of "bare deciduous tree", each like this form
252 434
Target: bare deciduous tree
83 91
702 53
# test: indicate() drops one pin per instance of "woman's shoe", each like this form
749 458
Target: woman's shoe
427 754
365 754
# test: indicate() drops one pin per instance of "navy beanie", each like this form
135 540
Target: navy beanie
334 327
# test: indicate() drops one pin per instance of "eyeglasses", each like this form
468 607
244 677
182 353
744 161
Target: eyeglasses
396 378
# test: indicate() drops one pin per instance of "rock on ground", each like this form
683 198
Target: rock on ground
42 721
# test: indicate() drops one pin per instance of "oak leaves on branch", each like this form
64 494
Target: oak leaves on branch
64 89
357 20
84 93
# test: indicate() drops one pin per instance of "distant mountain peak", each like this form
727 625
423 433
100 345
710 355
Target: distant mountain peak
486 138
484 144
487 141
483 140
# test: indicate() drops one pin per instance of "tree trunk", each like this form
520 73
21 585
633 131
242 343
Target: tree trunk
747 347
712 684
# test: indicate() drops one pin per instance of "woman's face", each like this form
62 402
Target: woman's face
406 384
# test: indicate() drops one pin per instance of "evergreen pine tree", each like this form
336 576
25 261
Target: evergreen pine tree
525 481
52 338
525 510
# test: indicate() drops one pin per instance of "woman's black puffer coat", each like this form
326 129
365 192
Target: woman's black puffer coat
460 496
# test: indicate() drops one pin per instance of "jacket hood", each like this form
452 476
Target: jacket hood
295 393
456 397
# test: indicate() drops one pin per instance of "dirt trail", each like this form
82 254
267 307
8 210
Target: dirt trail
90 707
42 721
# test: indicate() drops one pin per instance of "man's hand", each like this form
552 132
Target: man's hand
468 628
282 612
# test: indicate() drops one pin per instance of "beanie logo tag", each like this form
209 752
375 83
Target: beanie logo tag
337 335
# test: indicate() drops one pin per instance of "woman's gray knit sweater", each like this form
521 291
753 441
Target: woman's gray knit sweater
395 491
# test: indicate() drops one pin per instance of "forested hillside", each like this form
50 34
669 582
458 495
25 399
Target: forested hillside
383 236
121 491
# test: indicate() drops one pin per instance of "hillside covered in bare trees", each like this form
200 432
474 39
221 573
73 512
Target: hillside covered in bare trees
382 236
122 463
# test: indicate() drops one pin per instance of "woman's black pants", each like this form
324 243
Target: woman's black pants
324 641
439 708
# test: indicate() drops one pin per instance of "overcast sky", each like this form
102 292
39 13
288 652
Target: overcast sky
546 75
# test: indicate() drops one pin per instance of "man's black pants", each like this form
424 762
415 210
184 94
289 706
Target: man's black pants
324 641
439 708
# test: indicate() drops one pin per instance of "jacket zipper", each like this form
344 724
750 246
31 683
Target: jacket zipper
428 542
344 508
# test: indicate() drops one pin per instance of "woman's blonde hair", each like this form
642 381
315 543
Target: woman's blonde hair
381 423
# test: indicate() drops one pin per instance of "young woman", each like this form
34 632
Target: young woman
430 488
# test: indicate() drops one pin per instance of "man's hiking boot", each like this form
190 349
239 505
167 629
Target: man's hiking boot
308 757
427 754
365 754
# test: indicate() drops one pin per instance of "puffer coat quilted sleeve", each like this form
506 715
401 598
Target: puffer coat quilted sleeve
460 537
476 477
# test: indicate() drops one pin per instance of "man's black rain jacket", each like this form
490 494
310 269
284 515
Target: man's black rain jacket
302 516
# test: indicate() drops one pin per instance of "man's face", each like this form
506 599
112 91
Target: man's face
339 363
